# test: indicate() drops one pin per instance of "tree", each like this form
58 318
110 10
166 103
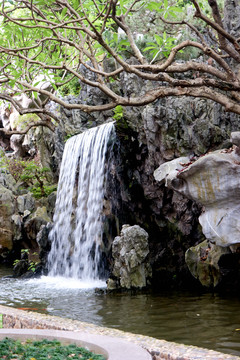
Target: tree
50 42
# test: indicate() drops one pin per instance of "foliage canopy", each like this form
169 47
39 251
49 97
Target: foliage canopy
181 47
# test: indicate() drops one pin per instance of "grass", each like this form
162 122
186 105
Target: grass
11 349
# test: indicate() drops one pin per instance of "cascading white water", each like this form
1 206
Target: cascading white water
76 235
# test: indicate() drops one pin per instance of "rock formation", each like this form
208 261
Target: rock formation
131 268
21 218
213 181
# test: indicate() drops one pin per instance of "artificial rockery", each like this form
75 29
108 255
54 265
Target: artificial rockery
171 204
172 199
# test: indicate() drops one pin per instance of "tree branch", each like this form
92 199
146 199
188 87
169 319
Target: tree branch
220 30
47 124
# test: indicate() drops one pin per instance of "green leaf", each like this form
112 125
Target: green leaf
176 9
124 42
12 83
64 12
151 43
115 37
159 40
153 5
35 94
172 14
149 48
38 82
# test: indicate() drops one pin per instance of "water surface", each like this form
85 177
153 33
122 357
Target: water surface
205 320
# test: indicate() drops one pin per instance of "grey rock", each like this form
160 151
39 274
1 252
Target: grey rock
231 17
17 220
170 168
25 203
7 181
42 236
235 138
34 222
202 261
129 251
20 268
16 143
214 181
44 244
26 213
51 203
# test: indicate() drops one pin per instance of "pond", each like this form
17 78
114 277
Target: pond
207 320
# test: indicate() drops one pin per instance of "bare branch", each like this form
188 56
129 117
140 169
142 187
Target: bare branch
23 110
183 22
131 8
47 124
120 21
234 53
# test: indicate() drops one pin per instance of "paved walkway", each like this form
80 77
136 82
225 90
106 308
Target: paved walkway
14 318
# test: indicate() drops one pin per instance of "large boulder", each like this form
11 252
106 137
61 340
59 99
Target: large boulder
16 143
7 181
214 181
25 202
131 268
33 225
203 262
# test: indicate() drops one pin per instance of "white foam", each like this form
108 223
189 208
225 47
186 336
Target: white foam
60 282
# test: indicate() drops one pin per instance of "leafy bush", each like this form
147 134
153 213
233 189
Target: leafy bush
31 172
14 166
29 264
118 113
44 349
36 177
46 190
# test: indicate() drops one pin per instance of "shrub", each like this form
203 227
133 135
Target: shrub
31 173
44 349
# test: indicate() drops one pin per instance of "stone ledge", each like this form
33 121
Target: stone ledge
18 319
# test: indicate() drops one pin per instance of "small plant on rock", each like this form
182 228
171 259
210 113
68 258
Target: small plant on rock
14 166
30 172
28 262
37 178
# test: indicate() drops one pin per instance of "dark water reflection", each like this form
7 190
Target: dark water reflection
207 320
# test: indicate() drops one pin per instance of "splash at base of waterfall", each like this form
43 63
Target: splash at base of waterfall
60 282
77 248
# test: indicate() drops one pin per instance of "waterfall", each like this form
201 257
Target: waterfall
76 235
